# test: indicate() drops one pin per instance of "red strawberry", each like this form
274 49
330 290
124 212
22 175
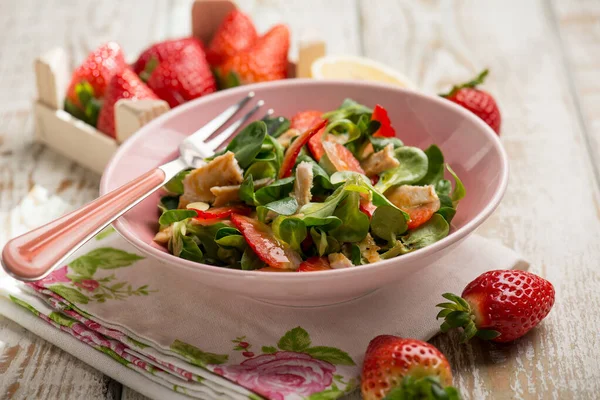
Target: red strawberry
477 101
236 33
159 52
90 79
500 305
182 77
265 60
314 264
124 85
380 115
409 366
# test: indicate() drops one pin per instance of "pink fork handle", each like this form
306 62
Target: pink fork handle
35 254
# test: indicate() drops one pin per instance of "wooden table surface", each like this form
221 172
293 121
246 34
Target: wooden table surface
544 58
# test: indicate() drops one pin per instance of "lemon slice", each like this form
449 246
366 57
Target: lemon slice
358 68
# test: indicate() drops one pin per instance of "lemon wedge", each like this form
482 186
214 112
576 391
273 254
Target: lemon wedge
358 68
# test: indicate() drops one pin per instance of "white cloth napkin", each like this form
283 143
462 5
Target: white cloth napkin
173 336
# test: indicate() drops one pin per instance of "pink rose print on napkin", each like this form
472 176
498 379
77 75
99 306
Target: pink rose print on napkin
59 275
88 284
282 373
293 368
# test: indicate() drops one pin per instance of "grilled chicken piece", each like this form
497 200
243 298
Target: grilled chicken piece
368 249
231 194
407 196
338 260
381 161
286 138
163 236
303 183
222 171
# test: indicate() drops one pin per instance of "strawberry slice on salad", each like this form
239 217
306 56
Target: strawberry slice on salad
262 241
304 120
289 160
341 158
314 264
221 212
380 115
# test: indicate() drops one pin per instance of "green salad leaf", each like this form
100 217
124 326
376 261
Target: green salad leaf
447 212
247 191
412 168
321 180
459 189
190 250
261 169
247 144
205 235
324 243
380 142
175 185
168 203
324 223
291 230
388 222
230 238
275 191
355 224
285 206
170 216
435 166
276 126
250 261
349 109
430 232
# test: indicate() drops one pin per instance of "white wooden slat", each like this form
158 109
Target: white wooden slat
550 210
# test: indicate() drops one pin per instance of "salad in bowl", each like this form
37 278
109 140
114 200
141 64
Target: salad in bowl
321 191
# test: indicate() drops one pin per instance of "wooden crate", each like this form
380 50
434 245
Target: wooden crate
91 148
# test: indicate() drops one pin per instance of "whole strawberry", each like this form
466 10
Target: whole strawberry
500 305
265 60
236 33
477 101
395 367
182 77
124 85
159 52
90 79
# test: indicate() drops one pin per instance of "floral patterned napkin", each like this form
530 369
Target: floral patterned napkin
208 344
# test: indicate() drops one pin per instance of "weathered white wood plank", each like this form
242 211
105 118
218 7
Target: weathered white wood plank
550 211
579 29
30 367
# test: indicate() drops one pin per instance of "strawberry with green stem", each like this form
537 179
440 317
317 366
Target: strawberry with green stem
90 80
398 368
500 305
158 52
477 101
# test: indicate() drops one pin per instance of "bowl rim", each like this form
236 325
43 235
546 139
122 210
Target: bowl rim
452 237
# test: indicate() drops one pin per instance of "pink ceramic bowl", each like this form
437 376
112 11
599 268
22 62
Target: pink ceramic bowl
469 145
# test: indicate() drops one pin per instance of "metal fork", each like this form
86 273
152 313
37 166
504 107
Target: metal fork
35 254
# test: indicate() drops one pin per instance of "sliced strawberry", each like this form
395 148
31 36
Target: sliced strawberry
418 216
261 240
366 206
90 79
341 158
236 33
304 120
123 85
291 154
314 264
380 115
183 77
266 60
222 212
159 52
